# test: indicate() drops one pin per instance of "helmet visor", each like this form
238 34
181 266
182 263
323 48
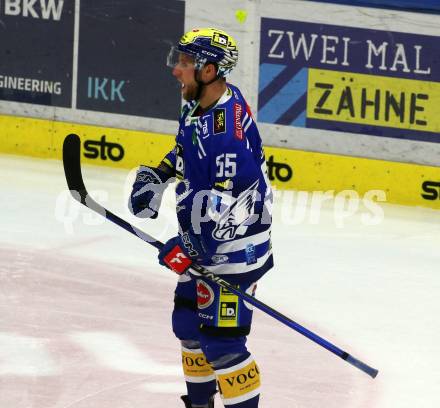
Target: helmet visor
179 59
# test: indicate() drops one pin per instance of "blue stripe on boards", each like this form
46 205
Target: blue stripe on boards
297 109
277 84
300 121
285 98
267 73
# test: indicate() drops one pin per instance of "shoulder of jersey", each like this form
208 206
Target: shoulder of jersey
233 116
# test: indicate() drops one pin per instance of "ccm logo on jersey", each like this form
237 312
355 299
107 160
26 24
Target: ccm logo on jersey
237 121
177 260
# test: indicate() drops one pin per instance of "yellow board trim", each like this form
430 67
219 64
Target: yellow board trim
311 171
401 182
44 139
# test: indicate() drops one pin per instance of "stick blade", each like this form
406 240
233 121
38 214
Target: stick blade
72 165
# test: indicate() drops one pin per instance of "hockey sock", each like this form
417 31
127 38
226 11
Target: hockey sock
199 376
239 384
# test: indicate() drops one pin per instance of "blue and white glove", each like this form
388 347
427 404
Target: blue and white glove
180 252
147 191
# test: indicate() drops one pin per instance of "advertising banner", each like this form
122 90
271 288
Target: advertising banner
349 79
123 48
286 168
37 51
413 5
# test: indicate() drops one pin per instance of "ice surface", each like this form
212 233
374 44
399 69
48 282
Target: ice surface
85 308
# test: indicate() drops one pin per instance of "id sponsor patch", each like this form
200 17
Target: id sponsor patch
228 309
205 295
219 121
220 39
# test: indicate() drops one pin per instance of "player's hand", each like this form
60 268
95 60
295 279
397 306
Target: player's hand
179 252
147 191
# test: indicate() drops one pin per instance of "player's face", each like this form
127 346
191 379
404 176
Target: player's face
184 73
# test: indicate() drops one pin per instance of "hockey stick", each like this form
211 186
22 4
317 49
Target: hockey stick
75 182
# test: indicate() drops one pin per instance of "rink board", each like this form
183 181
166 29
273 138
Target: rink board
406 184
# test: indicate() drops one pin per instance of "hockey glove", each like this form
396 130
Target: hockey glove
147 191
179 252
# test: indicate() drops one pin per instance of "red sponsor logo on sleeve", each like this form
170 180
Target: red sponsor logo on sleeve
238 110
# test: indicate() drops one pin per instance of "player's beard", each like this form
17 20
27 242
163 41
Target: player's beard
190 91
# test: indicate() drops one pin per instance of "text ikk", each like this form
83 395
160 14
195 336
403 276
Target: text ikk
105 88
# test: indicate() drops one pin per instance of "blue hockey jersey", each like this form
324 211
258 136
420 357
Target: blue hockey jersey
222 190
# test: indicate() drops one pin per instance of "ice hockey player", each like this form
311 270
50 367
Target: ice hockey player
224 213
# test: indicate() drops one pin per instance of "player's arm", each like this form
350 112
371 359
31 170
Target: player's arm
149 186
168 163
151 182
189 245
147 191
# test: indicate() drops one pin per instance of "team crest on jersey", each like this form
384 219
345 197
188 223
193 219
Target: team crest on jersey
233 220
219 121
